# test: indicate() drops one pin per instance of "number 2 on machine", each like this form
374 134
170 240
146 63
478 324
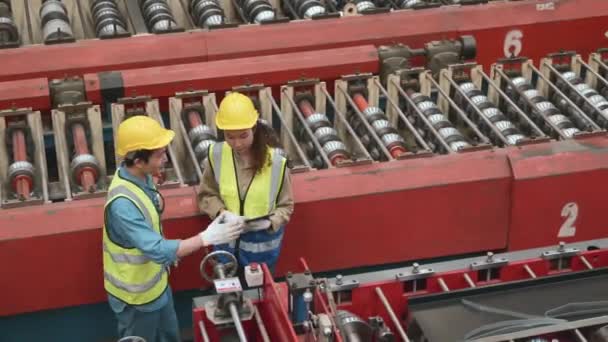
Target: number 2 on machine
570 212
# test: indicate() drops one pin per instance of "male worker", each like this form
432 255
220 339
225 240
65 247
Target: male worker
136 256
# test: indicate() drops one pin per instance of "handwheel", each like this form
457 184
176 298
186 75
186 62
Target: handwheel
229 267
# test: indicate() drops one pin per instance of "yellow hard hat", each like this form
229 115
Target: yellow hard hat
236 112
141 132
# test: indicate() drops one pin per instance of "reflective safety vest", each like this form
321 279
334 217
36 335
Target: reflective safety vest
259 199
128 274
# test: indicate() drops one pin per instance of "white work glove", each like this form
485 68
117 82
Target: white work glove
258 225
221 231
232 217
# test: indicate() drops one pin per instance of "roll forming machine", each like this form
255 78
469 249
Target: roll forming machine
413 129
556 293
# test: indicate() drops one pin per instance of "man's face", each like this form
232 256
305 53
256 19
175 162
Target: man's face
240 140
155 163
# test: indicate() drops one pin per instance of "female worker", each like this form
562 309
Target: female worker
247 178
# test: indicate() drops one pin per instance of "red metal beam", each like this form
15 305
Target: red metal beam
75 59
578 24
223 75
30 93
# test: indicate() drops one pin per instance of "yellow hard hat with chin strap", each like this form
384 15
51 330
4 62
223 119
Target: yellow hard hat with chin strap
141 132
236 112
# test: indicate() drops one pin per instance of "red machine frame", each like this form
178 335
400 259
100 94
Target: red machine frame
364 301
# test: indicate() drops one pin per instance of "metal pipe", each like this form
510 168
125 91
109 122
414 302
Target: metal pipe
341 116
409 125
530 272
260 323
365 123
469 280
443 285
580 336
407 98
462 115
308 130
532 105
288 130
572 87
197 169
572 104
523 115
201 327
587 264
234 312
391 313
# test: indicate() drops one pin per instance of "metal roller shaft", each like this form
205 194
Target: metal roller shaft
391 139
55 21
364 5
234 312
309 8
85 168
8 29
108 19
444 127
257 11
321 127
543 106
158 15
593 98
21 171
201 136
206 13
511 133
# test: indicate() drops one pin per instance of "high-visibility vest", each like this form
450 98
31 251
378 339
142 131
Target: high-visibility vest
128 274
260 199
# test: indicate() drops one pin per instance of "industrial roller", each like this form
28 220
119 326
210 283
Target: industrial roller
306 9
55 22
206 13
256 11
200 135
9 35
375 116
21 171
109 22
324 132
84 166
157 15
544 108
511 133
584 96
439 121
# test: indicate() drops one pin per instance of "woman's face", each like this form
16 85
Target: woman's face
240 140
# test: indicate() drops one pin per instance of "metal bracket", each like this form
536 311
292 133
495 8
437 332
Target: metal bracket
303 82
191 93
561 252
245 312
15 112
337 284
489 262
134 99
415 273
248 87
